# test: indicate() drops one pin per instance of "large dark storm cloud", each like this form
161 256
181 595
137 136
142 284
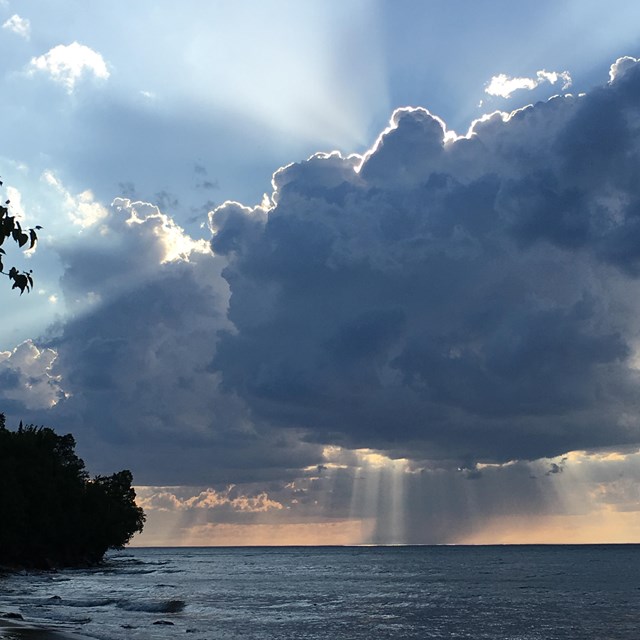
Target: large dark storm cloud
129 372
447 300
472 299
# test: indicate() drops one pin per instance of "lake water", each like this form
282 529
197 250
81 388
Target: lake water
342 593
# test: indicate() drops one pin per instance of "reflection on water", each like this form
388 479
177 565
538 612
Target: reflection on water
345 593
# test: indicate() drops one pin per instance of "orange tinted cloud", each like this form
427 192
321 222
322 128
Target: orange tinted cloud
598 527
337 532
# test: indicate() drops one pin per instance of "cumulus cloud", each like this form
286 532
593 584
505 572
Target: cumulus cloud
503 85
145 304
67 64
621 65
229 499
19 26
450 302
472 299
27 381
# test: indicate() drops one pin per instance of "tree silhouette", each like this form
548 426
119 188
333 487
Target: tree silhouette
11 228
52 514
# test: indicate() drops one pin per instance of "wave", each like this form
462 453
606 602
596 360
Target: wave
89 603
146 606
153 606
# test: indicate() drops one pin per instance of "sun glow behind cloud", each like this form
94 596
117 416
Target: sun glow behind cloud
597 501
322 90
588 497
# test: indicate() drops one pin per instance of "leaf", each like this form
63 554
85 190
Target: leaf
21 282
11 228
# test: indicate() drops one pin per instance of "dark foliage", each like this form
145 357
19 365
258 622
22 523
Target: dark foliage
52 514
11 228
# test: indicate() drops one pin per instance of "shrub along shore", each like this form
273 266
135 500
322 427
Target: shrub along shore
54 515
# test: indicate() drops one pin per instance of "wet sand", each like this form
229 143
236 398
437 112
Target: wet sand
18 630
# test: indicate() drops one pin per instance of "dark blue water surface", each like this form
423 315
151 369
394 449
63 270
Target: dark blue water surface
514 592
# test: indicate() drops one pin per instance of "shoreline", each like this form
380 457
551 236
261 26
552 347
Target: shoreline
22 629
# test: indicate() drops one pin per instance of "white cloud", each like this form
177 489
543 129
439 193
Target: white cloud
82 209
503 85
176 244
553 77
15 198
26 377
620 66
19 26
164 499
66 64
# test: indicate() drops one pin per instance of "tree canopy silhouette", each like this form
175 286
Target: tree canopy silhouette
11 228
52 514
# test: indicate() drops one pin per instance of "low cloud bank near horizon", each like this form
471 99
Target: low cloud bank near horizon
363 498
453 301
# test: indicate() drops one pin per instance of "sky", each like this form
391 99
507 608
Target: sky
328 272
